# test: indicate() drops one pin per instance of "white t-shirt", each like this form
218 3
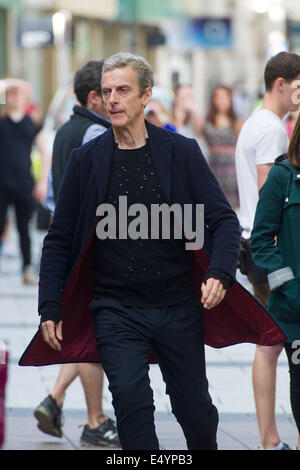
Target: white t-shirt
262 139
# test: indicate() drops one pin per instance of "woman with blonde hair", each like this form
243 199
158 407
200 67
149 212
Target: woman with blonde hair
19 130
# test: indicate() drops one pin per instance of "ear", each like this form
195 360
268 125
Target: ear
147 96
92 98
278 84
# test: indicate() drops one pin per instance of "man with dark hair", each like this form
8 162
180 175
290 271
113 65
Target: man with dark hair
147 292
87 79
284 65
87 121
262 139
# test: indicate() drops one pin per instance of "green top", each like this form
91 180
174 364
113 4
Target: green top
277 218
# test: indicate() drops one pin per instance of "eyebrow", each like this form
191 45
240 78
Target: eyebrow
118 87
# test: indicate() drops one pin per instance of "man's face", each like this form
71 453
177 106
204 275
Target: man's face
121 97
291 94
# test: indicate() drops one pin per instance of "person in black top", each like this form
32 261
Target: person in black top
18 132
86 122
143 292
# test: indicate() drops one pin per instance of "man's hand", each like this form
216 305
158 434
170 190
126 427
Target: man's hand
52 334
212 293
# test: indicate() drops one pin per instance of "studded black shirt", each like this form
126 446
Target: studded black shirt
141 271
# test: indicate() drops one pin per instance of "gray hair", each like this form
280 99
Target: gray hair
145 77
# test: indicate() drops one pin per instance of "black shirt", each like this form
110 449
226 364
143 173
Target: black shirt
140 272
16 139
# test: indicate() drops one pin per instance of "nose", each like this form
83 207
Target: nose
113 97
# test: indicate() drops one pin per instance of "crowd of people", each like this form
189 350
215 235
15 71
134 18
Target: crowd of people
139 291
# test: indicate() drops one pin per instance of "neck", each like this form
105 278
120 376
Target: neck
222 118
128 138
100 110
272 104
16 115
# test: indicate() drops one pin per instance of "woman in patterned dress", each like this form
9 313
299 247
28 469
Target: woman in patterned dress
221 131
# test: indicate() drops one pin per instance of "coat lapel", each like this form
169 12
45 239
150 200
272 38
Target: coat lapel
161 153
102 160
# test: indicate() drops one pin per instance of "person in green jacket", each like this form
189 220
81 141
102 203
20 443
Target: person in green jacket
275 244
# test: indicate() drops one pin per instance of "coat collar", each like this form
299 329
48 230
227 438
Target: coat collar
161 152
97 118
283 161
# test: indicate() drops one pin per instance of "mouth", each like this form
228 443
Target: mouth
116 113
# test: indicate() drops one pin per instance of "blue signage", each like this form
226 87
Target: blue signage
207 33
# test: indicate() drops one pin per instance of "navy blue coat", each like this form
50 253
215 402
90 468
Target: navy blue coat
67 256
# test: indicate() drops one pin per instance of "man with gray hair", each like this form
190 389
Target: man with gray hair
144 73
147 295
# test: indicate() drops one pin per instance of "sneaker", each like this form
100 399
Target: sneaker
49 416
105 435
283 446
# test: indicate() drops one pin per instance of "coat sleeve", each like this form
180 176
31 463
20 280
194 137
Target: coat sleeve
220 220
265 251
57 247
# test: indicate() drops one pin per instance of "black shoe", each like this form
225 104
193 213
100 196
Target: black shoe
49 416
105 435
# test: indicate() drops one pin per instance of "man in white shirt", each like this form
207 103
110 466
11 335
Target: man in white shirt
262 139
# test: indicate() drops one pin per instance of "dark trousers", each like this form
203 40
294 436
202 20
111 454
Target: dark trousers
294 370
24 206
124 336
